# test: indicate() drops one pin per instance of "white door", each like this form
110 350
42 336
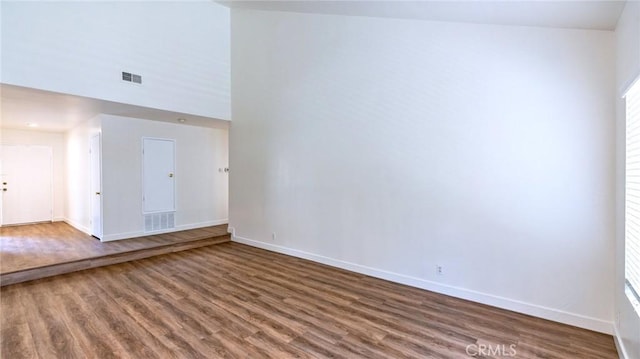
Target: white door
158 164
27 193
95 173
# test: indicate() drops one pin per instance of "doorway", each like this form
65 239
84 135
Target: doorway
95 174
27 184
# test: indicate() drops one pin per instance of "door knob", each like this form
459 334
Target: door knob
98 193
4 190
170 174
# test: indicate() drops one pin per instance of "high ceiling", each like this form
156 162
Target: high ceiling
60 112
597 15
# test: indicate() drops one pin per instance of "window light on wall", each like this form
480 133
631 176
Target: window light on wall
632 196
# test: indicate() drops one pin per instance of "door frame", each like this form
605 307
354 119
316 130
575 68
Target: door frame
175 165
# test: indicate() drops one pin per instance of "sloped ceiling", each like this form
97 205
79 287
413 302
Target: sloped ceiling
595 15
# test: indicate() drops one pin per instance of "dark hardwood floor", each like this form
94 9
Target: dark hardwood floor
43 250
231 300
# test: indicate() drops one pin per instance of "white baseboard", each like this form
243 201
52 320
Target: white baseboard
560 316
182 227
617 338
59 219
77 226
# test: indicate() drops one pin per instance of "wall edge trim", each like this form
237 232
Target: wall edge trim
535 310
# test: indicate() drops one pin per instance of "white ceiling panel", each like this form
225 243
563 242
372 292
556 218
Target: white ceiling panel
56 112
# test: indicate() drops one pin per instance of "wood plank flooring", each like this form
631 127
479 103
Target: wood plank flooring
236 301
42 250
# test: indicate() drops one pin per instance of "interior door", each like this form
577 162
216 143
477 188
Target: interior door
27 181
95 173
158 163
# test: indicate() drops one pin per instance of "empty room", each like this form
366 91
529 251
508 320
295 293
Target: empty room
320 179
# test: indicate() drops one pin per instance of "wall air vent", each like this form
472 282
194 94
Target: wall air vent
159 221
129 77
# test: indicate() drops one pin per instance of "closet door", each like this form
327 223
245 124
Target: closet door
158 165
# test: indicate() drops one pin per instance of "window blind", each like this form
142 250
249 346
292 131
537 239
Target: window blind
632 190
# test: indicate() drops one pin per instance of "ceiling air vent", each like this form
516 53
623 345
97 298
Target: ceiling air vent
129 77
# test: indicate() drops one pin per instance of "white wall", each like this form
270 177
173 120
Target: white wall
57 143
201 189
78 203
392 146
181 49
628 69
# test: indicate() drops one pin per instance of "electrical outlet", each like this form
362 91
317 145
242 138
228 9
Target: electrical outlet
439 270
